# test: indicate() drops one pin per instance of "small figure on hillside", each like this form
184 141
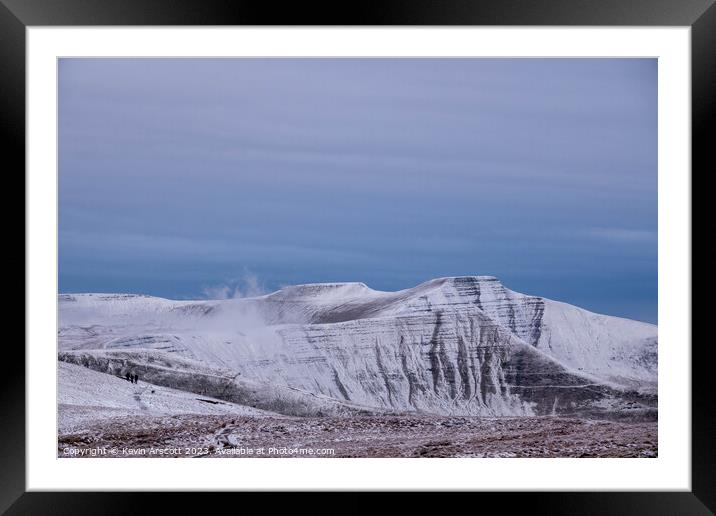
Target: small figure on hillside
128 376
136 378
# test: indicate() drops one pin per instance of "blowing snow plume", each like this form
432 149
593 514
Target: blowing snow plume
246 286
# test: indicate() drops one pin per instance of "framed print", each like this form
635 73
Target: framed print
415 249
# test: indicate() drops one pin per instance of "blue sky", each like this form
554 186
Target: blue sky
181 177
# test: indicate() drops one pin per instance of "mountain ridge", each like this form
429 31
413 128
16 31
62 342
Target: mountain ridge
453 345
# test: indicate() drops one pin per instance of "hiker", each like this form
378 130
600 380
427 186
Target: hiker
128 376
136 378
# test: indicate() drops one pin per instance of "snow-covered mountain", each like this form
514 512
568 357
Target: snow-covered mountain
464 345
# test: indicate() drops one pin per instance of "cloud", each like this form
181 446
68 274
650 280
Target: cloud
622 234
248 285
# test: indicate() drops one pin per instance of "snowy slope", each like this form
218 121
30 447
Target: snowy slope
462 345
86 396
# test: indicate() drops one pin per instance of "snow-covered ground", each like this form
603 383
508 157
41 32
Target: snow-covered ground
87 396
403 436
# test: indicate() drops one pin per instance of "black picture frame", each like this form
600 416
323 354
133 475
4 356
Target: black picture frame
17 15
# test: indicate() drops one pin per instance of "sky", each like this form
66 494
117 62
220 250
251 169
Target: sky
196 178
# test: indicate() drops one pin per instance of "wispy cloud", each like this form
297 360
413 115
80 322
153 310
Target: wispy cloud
248 285
622 234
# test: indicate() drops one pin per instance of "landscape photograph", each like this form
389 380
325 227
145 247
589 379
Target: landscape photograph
357 258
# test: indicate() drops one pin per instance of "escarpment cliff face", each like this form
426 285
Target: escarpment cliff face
464 345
